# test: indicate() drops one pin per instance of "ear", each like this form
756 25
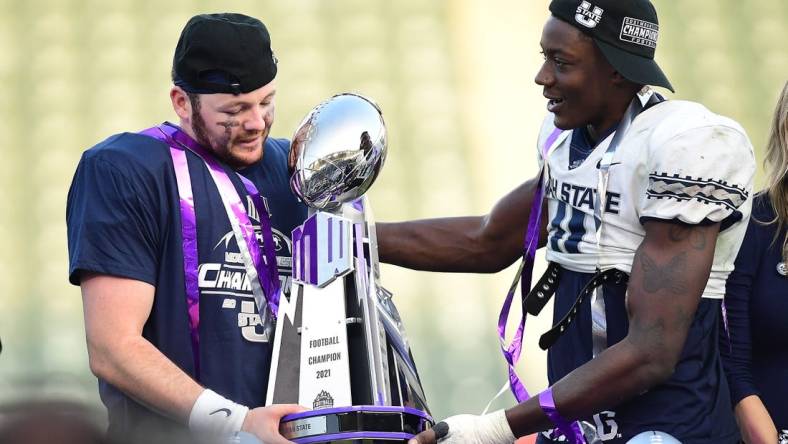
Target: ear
619 80
181 103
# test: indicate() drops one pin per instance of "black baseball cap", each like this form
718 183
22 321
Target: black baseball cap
223 53
625 31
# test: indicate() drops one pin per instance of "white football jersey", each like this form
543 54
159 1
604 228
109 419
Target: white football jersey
677 161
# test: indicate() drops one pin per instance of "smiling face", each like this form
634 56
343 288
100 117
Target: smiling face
234 127
582 88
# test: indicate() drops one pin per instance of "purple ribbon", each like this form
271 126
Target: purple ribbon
570 429
264 262
513 351
267 266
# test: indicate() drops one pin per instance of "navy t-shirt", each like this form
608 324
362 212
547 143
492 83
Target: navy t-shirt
124 220
756 298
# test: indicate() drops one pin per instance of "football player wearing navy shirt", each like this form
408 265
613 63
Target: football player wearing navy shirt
179 239
645 206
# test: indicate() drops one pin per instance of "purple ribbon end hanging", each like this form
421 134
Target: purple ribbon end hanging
512 352
570 429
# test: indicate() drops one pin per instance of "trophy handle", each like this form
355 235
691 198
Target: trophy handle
394 379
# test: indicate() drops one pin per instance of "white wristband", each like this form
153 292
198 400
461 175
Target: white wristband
492 428
216 415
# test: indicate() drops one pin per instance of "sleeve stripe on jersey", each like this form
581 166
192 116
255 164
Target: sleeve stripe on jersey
691 180
661 185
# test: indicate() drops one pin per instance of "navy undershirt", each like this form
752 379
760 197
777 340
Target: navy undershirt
582 146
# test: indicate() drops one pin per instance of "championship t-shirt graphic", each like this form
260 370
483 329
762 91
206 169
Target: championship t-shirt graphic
224 276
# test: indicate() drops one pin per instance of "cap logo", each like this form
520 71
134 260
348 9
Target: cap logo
639 32
587 15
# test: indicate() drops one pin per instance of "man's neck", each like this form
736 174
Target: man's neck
595 135
598 131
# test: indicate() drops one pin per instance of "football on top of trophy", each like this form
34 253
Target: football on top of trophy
337 151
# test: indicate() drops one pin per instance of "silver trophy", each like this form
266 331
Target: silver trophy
340 346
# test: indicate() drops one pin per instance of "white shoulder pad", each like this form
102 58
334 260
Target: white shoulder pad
700 166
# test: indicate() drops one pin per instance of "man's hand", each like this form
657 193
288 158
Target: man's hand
492 428
263 422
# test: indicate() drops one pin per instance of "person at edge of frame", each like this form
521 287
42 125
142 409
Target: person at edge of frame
640 360
754 349
171 358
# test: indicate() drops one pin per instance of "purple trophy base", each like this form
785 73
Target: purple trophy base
366 423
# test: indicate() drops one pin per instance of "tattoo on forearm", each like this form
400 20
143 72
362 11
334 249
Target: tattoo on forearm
655 330
670 276
651 329
681 233
684 317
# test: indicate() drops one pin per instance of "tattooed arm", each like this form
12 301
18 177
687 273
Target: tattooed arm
669 273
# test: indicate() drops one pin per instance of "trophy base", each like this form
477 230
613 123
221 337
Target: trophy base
365 424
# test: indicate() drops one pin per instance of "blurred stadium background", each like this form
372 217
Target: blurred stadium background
454 79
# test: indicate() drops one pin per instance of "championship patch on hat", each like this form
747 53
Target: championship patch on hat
639 32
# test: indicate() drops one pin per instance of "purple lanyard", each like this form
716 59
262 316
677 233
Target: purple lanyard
570 429
512 352
264 262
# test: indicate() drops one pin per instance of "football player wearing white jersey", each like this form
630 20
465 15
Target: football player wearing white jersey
646 202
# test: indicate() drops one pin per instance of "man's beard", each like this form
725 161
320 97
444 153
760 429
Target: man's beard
219 146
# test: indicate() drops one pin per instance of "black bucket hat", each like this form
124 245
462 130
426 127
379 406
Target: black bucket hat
626 32
223 53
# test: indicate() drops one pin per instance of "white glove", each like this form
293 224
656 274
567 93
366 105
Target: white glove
492 428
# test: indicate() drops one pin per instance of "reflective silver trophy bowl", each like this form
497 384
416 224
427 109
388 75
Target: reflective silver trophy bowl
340 345
337 151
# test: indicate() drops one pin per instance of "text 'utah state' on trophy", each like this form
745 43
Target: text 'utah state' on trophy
340 347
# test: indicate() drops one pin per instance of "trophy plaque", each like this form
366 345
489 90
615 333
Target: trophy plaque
340 347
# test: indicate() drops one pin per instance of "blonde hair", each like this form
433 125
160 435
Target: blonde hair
776 164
